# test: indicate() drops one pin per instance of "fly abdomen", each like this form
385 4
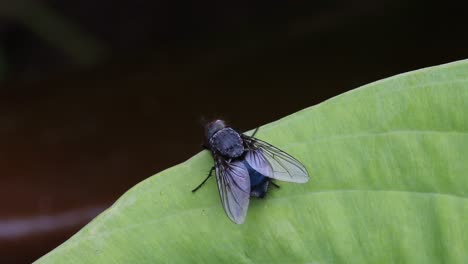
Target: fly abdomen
258 182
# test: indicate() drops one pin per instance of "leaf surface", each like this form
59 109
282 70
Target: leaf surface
389 183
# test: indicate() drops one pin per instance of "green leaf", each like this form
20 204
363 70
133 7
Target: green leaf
388 165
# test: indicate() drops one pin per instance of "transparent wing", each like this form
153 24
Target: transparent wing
234 188
273 162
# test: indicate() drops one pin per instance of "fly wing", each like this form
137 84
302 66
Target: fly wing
234 189
273 162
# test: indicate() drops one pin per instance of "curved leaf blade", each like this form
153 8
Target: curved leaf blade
388 163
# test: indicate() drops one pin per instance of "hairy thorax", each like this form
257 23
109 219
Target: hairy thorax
228 143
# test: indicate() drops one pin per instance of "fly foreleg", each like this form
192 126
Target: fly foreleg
203 182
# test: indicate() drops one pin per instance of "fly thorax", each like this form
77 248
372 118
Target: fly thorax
228 143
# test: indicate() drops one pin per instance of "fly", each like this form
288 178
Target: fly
245 166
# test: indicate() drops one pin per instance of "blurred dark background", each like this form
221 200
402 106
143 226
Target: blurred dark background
96 96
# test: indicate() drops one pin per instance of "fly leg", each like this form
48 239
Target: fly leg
274 184
205 146
203 182
255 132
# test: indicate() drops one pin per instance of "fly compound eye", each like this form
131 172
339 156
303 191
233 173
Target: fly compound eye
214 127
